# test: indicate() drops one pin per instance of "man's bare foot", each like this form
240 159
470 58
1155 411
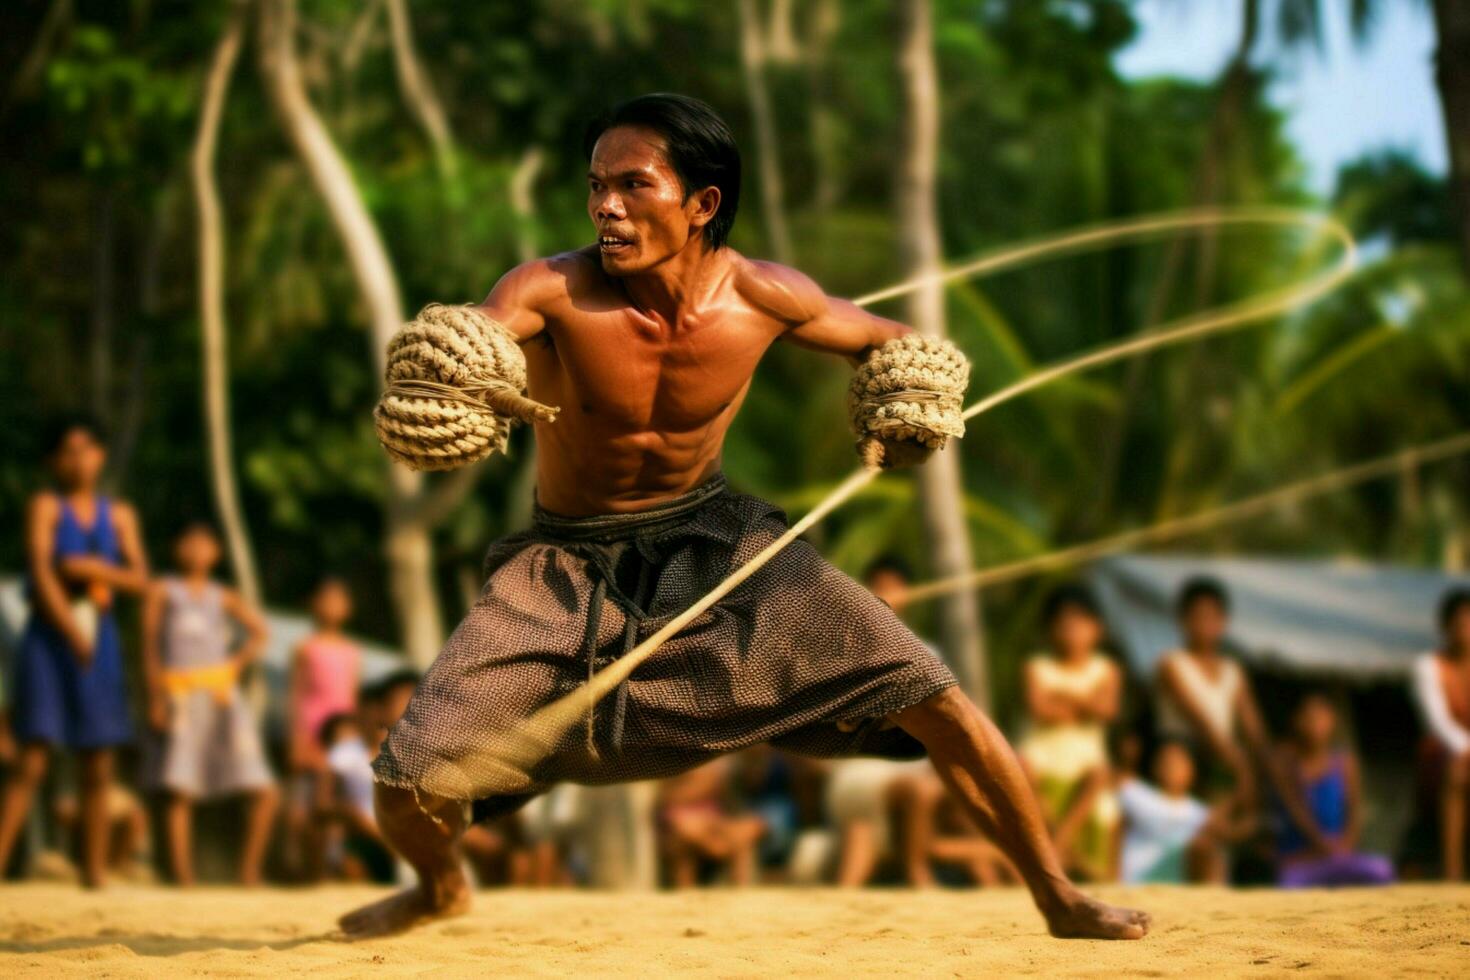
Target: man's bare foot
448 896
1087 918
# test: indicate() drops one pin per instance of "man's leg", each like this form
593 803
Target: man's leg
425 830
975 762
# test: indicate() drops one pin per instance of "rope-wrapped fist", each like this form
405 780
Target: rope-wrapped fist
906 400
453 389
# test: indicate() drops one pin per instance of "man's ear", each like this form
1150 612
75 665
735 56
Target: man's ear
702 206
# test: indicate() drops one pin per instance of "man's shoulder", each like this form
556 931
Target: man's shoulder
540 283
777 290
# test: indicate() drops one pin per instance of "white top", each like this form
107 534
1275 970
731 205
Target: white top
1157 827
1067 751
1214 697
1428 691
349 762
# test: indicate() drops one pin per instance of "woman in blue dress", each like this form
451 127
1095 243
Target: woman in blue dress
82 550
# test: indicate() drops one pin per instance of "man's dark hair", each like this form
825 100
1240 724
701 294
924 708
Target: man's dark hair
1070 595
697 144
62 426
1203 587
1451 603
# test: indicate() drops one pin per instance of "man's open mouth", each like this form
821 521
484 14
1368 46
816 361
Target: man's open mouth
612 244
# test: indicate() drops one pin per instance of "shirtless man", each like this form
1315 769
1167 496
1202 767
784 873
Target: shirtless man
647 341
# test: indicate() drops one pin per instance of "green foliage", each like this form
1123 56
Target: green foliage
1039 133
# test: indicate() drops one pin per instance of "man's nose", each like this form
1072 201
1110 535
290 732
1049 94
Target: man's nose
609 207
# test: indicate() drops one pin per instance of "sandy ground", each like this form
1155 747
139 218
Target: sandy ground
52 930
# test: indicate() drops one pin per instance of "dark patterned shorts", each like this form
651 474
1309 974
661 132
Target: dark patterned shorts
798 655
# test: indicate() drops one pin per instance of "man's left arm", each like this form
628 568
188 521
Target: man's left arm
906 397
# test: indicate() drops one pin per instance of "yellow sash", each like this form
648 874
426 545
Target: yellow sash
218 679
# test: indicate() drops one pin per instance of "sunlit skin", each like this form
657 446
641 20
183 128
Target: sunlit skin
648 346
1204 623
1454 663
647 341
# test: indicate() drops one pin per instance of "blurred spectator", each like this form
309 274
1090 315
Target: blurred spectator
1204 698
701 829
324 676
82 548
127 832
1072 695
211 745
1169 836
1439 835
958 842
1325 777
880 807
366 855
547 830
765 785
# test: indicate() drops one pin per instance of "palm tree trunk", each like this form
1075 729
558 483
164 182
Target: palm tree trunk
408 547
768 156
214 350
418 92
941 489
1452 76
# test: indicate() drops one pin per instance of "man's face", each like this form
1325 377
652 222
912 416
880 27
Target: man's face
637 202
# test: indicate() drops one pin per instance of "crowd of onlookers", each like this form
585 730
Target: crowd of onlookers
1182 783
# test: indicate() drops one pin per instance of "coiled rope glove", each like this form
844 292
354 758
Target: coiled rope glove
906 399
452 390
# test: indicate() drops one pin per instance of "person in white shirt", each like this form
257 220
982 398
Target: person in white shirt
1170 836
1440 685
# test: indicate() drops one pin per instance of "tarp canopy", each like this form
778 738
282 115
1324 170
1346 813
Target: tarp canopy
1352 621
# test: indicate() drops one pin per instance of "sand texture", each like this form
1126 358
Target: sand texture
54 930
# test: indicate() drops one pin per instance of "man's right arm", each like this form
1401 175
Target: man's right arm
520 300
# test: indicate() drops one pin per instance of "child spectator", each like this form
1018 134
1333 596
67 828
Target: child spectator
1170 836
324 677
211 743
1205 701
82 549
1325 777
350 762
1072 695
1440 833
700 827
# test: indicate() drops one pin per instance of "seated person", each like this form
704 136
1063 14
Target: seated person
764 785
957 842
1072 695
1170 836
882 808
1440 833
127 835
366 855
1325 777
700 827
